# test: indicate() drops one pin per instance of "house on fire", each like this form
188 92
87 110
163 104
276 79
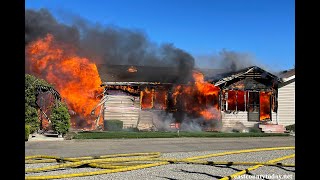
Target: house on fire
137 95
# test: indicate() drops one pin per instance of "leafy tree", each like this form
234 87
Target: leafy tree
31 118
60 118
31 83
26 132
31 115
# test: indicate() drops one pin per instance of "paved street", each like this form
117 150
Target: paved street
70 148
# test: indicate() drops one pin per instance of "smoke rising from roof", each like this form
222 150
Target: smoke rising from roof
108 45
228 61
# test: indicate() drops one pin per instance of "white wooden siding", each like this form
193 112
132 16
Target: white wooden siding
122 108
229 120
286 104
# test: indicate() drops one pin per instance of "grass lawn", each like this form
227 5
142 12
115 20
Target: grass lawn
126 134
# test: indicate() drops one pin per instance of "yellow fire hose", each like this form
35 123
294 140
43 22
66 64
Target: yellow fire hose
256 167
127 162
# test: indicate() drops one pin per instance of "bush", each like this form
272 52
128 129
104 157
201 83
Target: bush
255 130
60 118
26 132
113 125
291 127
31 118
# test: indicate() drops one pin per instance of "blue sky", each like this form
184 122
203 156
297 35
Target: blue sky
263 28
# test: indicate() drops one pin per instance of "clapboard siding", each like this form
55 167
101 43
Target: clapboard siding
286 104
123 108
229 120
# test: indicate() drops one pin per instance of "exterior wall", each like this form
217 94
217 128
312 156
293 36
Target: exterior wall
123 108
286 104
230 120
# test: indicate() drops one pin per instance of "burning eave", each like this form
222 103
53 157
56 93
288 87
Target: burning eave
251 78
132 83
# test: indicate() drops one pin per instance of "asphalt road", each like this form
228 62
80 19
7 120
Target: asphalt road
75 148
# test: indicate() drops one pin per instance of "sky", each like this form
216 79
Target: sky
263 28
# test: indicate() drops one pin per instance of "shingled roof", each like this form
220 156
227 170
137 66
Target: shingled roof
119 73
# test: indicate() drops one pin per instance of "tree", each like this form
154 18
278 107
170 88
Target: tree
60 118
31 114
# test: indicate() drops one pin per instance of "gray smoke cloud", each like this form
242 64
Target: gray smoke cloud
228 61
108 44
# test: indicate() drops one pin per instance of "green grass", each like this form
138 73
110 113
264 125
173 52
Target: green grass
123 134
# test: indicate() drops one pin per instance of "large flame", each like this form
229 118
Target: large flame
76 78
146 98
199 98
265 107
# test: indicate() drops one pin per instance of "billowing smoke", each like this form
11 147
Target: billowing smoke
109 44
163 121
234 61
228 61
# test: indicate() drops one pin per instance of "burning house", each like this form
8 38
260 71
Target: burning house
249 98
114 73
149 98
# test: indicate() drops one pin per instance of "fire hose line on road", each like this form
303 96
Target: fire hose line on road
134 161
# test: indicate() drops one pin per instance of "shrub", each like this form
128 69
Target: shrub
255 130
291 127
26 132
31 118
113 125
60 118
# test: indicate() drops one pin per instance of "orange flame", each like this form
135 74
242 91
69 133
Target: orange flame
240 100
126 88
160 99
146 98
199 98
265 108
132 69
76 78
232 100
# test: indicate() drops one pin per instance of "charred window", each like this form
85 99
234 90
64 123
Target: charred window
232 100
241 101
224 97
160 99
254 102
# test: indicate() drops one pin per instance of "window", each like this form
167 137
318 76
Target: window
234 100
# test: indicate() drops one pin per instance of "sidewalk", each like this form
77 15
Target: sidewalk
41 137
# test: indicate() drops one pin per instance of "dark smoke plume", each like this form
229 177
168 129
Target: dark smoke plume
234 61
109 44
228 61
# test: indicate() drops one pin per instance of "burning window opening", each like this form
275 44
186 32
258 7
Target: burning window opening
146 98
265 106
132 69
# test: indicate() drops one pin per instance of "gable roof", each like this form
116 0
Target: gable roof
253 72
287 76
